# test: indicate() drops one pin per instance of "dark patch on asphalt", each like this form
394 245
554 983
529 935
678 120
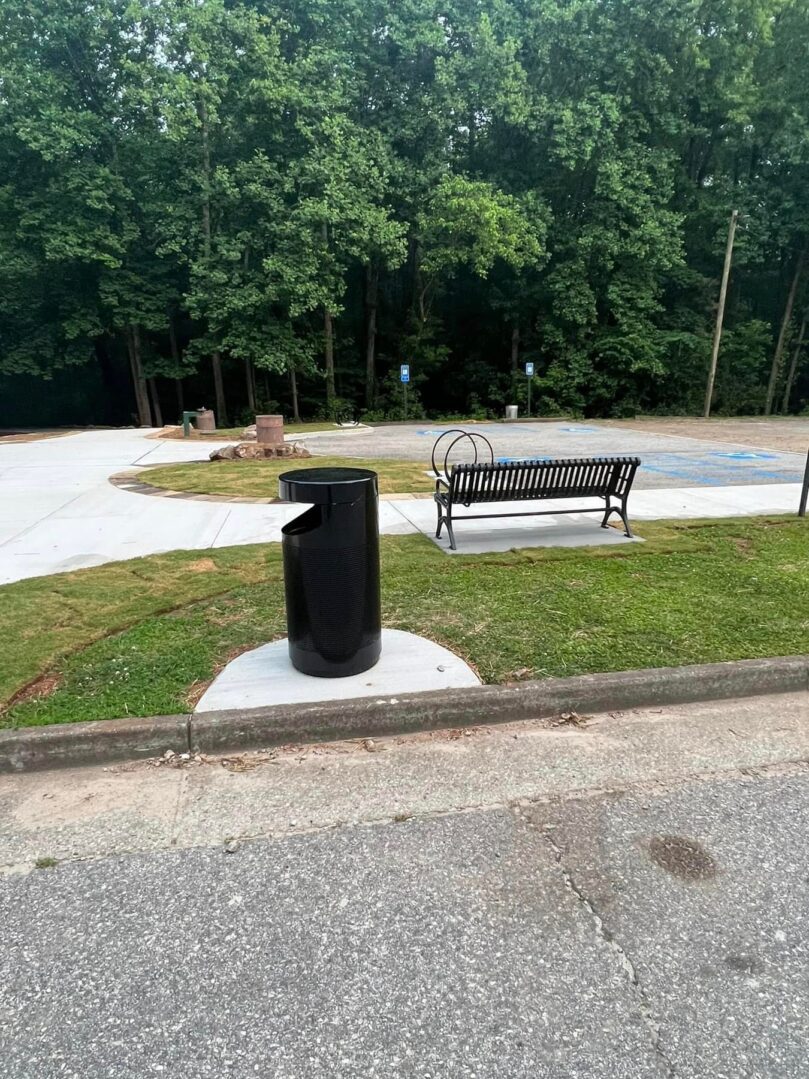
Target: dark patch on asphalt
683 858
744 964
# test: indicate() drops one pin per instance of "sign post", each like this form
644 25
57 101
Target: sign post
404 377
529 374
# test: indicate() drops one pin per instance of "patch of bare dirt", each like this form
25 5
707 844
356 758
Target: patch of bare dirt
202 565
34 691
741 543
194 435
32 436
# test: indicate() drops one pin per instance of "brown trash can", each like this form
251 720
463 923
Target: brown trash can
206 421
270 430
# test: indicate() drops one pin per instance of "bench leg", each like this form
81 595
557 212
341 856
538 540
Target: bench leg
450 532
440 522
444 518
627 530
621 511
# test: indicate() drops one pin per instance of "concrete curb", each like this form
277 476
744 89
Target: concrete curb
221 732
68 744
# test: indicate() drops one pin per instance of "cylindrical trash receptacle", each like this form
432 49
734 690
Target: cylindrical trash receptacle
511 412
270 430
206 421
331 571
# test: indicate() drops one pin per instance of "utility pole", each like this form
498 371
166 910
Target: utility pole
720 315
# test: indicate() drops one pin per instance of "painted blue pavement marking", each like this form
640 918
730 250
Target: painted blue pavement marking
717 469
579 430
521 460
743 455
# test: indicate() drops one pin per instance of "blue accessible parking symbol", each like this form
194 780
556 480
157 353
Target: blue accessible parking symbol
745 455
404 372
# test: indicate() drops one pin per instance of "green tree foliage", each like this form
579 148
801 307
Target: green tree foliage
274 204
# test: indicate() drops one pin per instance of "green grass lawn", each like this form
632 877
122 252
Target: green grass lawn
144 637
259 479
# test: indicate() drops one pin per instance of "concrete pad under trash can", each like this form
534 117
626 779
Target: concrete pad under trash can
265 675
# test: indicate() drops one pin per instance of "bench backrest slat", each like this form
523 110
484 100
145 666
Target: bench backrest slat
531 480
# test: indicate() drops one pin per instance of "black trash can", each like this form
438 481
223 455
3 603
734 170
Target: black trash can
331 571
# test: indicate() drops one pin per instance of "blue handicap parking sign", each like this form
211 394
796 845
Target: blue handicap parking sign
404 372
529 370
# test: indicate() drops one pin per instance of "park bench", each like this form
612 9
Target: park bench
608 479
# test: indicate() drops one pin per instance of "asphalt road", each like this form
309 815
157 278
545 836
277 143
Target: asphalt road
668 459
655 930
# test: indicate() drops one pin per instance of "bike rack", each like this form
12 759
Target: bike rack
461 435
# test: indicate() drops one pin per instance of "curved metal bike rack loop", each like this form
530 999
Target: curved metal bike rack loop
451 431
471 435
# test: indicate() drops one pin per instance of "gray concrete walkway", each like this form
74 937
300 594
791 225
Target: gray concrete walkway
624 896
58 511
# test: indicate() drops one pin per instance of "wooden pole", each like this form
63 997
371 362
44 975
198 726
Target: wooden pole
720 315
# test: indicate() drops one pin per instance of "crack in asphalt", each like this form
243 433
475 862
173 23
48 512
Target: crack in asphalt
624 960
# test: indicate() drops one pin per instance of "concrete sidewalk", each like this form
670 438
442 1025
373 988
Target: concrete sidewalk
619 898
59 512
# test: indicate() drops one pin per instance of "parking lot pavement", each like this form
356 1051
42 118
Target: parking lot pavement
669 460
620 899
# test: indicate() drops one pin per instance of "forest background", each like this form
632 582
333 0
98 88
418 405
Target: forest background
271 206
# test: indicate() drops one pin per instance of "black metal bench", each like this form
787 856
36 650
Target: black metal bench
606 478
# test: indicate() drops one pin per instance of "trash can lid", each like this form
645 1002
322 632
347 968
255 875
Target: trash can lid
326 486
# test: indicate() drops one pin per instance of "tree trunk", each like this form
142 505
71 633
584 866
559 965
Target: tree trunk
793 367
293 382
775 370
175 351
219 389
216 358
371 294
175 359
515 356
419 288
138 380
109 381
155 399
328 332
251 385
